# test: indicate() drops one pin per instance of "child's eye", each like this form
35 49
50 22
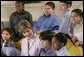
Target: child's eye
27 31
6 34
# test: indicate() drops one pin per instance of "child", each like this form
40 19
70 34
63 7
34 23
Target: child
58 44
6 38
46 37
7 44
30 42
77 18
49 20
67 25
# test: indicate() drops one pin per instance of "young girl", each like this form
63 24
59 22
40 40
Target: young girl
77 18
30 42
58 44
7 44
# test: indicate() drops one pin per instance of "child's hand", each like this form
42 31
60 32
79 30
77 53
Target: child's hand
38 32
79 43
74 39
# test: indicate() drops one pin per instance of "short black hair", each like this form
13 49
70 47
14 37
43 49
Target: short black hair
7 29
18 2
46 35
51 4
67 2
79 12
63 38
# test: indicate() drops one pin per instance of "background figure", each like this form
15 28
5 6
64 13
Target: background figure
48 21
16 17
66 25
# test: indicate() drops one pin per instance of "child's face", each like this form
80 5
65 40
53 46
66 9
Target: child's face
47 10
45 43
19 7
5 35
28 33
63 6
55 44
75 18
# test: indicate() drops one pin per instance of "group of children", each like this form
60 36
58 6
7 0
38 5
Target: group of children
48 43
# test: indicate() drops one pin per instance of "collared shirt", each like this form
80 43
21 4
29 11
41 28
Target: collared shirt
47 52
34 46
47 22
15 18
66 25
62 52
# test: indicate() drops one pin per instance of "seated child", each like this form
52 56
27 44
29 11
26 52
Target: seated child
7 44
77 18
66 25
6 38
46 38
58 44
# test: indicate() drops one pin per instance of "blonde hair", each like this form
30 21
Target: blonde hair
24 24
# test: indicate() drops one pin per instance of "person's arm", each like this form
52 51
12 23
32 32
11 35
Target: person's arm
11 43
74 39
56 23
38 32
79 43
37 25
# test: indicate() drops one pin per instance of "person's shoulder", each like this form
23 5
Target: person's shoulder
54 15
27 12
14 13
11 41
68 13
40 18
24 39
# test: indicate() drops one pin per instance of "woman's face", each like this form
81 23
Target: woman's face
55 44
5 35
75 18
28 33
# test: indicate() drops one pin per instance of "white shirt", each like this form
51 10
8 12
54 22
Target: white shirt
3 44
62 52
33 48
78 32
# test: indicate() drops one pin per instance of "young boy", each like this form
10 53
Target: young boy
46 37
58 44
66 25
49 20
30 42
